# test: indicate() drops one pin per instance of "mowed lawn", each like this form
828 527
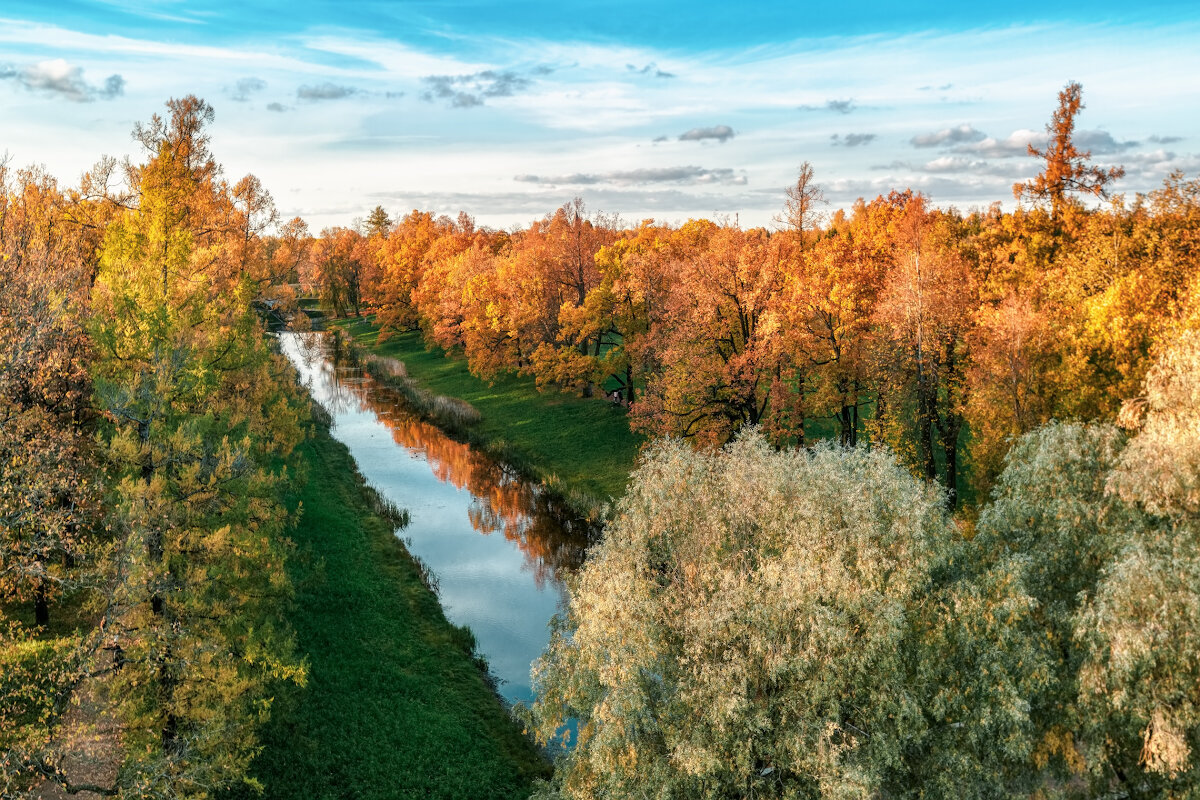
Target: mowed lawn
584 443
395 706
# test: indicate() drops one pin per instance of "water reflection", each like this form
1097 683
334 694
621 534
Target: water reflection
505 593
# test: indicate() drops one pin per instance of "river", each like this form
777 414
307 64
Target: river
498 549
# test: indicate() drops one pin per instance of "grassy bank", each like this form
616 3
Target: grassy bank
395 705
581 448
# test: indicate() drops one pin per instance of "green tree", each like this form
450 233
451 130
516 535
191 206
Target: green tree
197 416
378 223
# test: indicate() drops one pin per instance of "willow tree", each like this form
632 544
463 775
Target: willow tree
782 624
1103 535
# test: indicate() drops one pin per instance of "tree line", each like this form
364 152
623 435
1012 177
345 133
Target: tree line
146 429
939 333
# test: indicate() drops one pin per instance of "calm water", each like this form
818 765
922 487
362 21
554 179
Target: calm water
498 549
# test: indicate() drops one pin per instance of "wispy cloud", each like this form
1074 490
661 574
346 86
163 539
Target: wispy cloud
277 107
650 69
719 132
956 135
852 139
325 91
245 87
1101 142
684 175
59 79
1165 139
469 91
836 106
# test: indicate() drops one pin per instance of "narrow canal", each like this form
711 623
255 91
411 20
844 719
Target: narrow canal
497 547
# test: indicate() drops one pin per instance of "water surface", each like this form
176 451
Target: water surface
496 544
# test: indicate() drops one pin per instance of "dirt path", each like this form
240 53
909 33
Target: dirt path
91 739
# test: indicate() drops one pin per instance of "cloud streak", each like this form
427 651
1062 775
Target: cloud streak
59 79
691 175
836 106
1101 142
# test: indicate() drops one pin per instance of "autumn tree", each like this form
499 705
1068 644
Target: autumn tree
831 293
716 337
51 531
341 261
926 314
402 256
609 337
1066 168
47 475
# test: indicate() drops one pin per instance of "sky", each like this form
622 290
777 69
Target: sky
669 110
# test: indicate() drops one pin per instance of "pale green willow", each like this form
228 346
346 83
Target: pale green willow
784 624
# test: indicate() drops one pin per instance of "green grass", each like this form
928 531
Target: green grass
395 705
581 447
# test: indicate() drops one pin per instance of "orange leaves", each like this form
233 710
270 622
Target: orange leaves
1066 168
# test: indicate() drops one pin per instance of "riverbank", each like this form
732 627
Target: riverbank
581 449
395 705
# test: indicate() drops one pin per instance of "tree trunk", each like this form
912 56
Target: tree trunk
925 417
950 447
41 607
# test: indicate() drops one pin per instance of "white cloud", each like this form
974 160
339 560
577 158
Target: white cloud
1015 144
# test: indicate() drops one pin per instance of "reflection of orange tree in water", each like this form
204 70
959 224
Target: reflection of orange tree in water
501 500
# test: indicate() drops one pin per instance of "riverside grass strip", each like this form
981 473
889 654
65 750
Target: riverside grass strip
396 704
580 448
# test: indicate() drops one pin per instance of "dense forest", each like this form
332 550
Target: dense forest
918 518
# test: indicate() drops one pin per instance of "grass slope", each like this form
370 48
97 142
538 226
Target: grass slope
579 445
395 705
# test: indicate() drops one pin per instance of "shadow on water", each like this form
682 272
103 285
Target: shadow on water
499 547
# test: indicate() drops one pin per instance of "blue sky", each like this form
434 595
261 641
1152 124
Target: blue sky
665 110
